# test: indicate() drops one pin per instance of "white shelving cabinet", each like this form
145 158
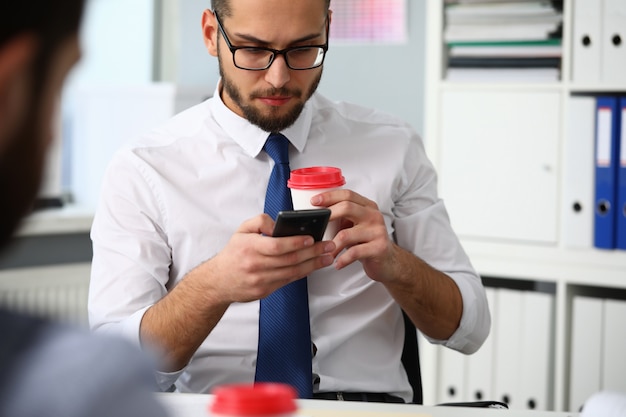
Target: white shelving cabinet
499 152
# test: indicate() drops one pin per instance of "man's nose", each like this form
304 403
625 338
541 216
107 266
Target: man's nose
278 73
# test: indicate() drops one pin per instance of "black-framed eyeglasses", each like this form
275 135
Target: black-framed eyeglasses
257 58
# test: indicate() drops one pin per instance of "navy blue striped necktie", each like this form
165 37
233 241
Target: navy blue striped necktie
284 352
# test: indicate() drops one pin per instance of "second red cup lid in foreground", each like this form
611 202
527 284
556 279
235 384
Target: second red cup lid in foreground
261 400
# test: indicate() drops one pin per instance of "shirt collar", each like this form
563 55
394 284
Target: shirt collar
252 138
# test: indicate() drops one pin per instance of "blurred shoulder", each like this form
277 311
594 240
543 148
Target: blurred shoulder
73 372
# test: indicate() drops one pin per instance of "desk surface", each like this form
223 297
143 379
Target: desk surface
197 405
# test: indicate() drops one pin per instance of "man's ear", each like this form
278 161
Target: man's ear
209 31
15 59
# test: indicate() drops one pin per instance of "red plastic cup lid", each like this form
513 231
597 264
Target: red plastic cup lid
260 399
316 177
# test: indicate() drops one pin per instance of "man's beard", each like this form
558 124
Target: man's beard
273 122
21 168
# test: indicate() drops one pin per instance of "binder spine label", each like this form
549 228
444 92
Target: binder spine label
603 151
623 135
621 179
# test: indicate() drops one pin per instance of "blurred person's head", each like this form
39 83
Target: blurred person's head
38 46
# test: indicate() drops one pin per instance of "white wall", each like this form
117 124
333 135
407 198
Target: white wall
117 42
118 57
184 59
387 77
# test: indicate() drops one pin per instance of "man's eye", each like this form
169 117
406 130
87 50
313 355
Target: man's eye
256 51
300 51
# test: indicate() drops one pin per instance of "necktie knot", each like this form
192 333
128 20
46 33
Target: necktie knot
277 147
278 196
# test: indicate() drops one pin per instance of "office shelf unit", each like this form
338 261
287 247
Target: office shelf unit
499 149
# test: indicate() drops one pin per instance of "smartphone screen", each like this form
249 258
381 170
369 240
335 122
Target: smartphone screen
302 222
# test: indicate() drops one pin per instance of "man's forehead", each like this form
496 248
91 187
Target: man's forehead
279 26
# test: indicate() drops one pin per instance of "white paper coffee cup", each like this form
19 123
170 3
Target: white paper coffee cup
304 183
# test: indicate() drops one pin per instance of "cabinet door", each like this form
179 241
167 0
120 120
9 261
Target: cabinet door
498 172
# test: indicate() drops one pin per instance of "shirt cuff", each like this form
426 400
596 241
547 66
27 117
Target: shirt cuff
475 321
166 380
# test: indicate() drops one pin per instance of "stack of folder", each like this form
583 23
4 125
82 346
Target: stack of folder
514 365
598 34
595 187
503 40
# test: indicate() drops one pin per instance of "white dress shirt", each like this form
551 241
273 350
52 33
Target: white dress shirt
173 199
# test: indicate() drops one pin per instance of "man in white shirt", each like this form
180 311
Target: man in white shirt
182 254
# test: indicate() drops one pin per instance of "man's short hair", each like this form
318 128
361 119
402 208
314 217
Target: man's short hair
222 7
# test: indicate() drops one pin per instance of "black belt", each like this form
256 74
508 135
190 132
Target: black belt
372 397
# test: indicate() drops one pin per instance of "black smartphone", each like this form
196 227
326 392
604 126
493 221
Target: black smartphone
310 222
